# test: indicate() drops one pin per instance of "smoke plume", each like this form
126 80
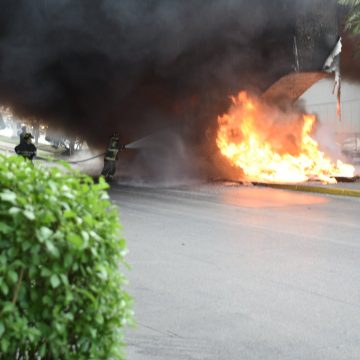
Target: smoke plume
92 67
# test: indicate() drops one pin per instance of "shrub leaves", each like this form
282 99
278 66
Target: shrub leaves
61 291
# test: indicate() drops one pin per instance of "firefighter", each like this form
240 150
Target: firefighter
22 134
111 157
26 148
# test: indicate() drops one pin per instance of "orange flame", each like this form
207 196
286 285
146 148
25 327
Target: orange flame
272 146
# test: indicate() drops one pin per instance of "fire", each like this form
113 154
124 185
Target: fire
270 145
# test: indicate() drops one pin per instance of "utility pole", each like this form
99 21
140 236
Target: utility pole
296 56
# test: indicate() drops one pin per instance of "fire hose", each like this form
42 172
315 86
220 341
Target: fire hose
132 145
70 162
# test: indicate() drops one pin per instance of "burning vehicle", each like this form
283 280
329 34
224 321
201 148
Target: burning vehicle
274 145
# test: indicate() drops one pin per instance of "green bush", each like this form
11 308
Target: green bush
61 290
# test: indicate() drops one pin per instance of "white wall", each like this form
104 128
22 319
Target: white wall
319 99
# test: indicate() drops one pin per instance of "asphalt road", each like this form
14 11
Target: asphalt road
235 272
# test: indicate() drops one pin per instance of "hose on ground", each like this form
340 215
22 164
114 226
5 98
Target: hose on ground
70 162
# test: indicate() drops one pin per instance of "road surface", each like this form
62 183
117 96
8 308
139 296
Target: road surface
236 272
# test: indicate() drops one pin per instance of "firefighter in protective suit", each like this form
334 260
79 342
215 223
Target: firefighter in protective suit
26 148
111 157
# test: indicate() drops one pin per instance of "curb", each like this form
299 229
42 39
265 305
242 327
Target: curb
312 189
7 149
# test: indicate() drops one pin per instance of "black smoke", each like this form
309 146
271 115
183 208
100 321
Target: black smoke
92 67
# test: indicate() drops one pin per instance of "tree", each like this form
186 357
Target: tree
61 291
353 18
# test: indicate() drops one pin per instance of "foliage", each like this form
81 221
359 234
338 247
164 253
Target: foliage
61 291
353 18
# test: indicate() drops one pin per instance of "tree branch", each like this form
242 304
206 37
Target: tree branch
17 288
